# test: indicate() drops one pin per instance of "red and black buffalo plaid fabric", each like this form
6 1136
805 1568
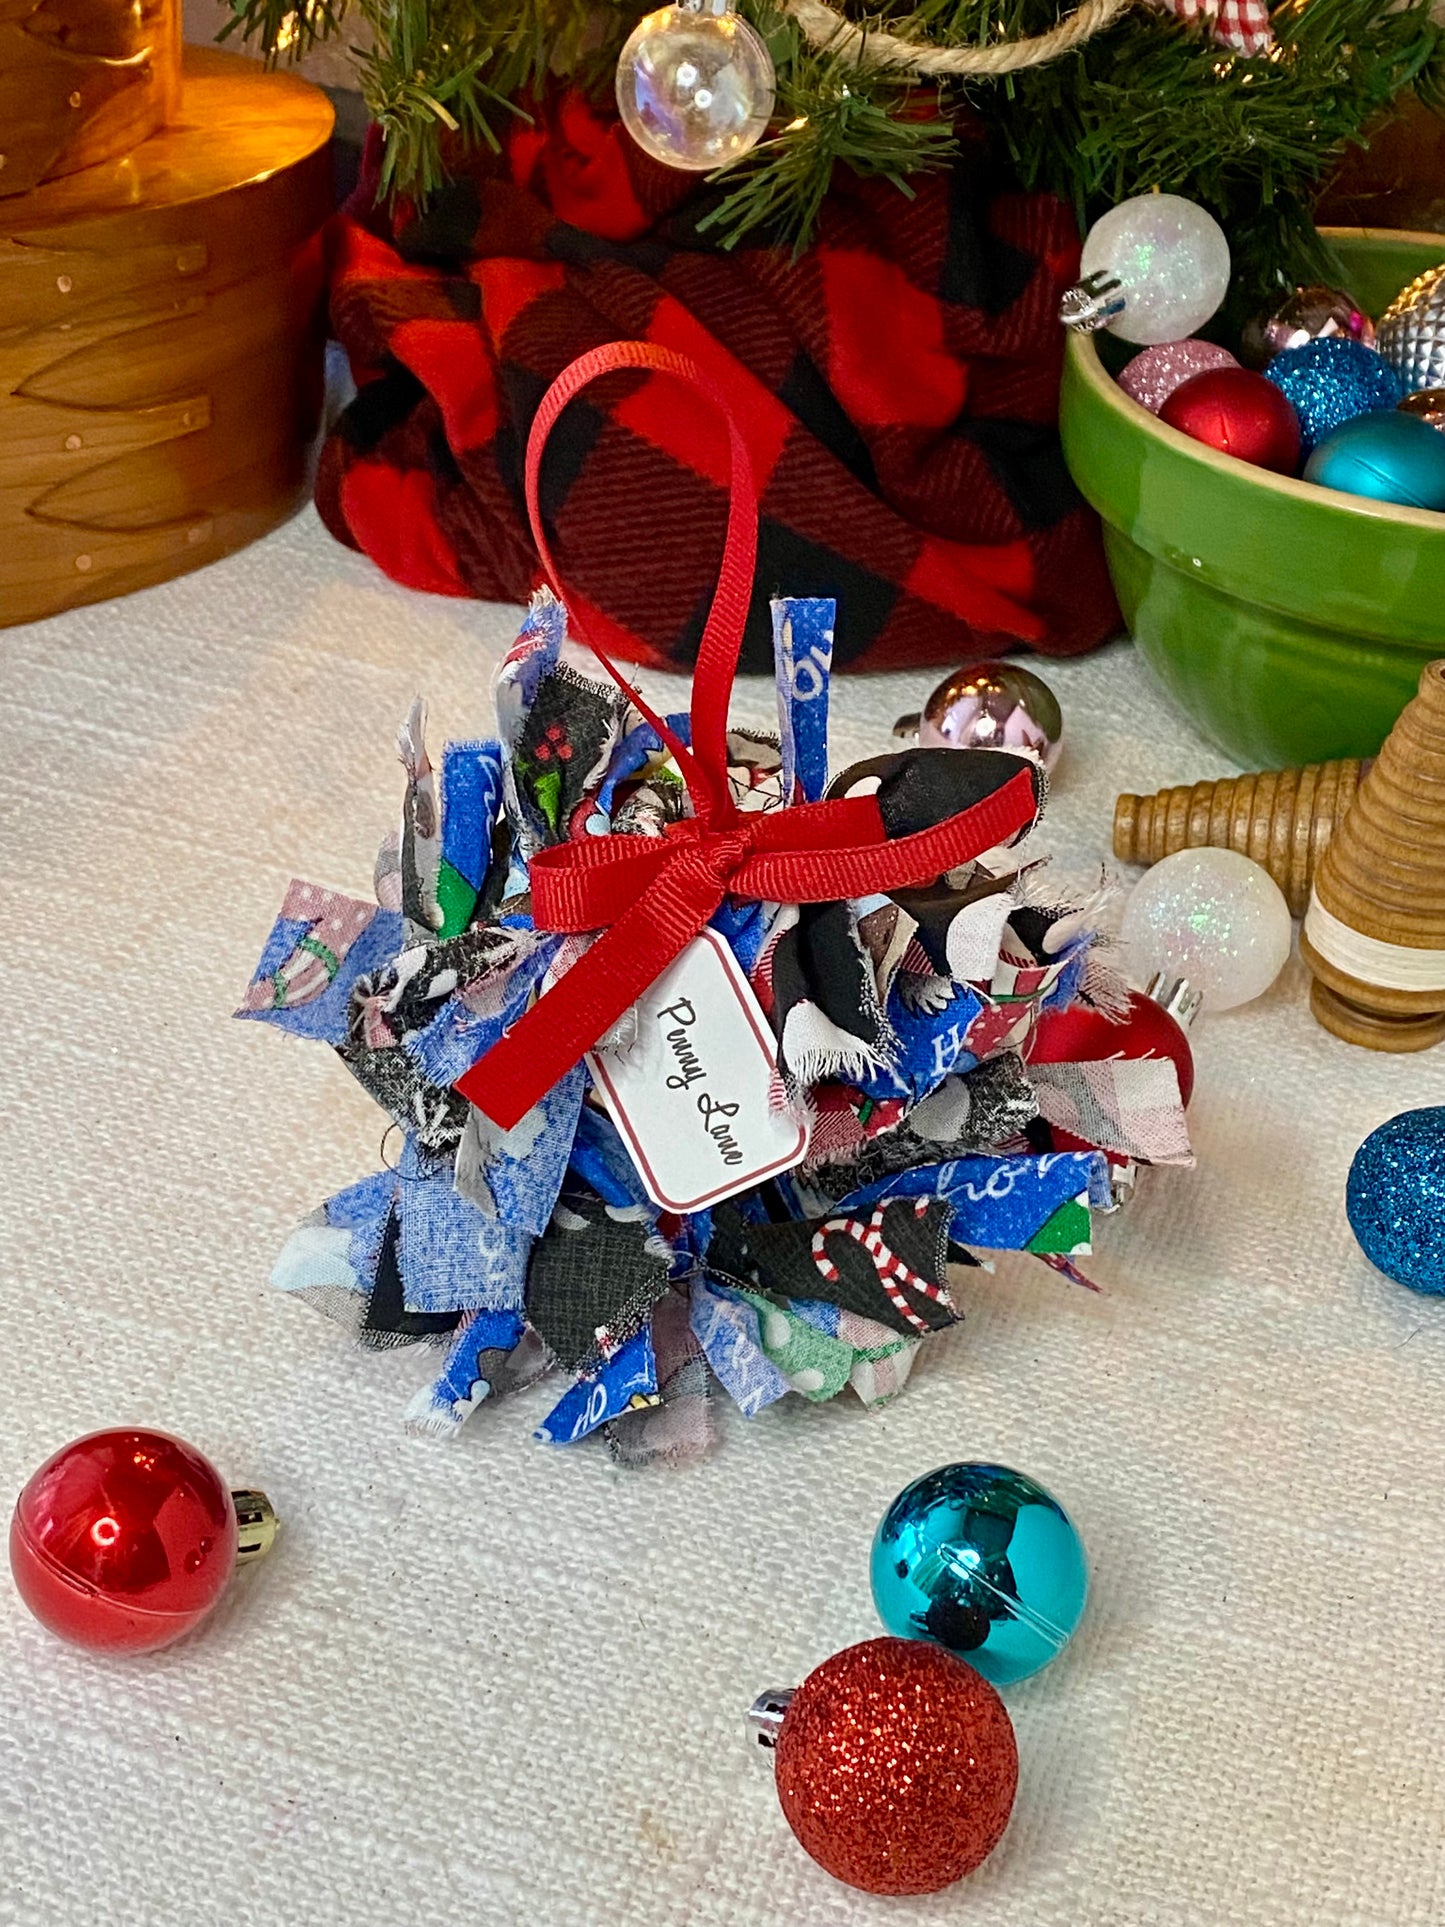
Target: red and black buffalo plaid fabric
898 384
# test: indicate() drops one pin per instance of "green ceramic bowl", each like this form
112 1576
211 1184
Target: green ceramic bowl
1290 623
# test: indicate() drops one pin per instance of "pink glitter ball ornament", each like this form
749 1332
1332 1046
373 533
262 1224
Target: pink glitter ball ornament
1151 377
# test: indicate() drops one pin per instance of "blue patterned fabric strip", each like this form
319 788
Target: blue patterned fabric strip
524 1172
451 1255
623 1383
998 1203
803 661
929 1045
457 1036
815 1312
744 928
324 1018
600 1159
364 1210
726 1327
461 1384
471 803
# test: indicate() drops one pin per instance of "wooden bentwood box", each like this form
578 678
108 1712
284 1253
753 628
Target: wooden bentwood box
161 300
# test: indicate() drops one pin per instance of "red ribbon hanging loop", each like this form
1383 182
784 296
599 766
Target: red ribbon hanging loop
650 896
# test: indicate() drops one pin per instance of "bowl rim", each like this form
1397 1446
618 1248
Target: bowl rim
1088 367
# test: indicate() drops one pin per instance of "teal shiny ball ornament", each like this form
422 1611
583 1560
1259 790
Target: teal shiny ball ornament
1390 458
984 1561
1395 1198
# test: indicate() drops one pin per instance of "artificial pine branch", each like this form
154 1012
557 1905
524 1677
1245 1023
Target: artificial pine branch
1148 103
831 115
281 30
436 71
1154 104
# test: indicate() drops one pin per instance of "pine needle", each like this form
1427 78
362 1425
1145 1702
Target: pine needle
1151 102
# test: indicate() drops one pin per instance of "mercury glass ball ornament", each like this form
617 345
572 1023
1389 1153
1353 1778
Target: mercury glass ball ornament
1310 314
1428 404
1395 1199
984 1561
1170 263
695 85
993 705
1213 918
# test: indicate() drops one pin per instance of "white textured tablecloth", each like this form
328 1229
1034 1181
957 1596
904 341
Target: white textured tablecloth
490 1682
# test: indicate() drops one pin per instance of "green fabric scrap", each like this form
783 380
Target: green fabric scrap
814 1364
1067 1230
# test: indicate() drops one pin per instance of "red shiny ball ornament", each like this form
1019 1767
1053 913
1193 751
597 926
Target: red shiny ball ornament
123 1541
1239 413
897 1767
1078 1035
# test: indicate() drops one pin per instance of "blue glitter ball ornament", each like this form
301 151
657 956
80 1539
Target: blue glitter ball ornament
985 1562
1395 1198
1331 381
1392 458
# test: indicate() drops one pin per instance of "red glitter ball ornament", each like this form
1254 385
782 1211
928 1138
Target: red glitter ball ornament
897 1767
124 1540
1239 413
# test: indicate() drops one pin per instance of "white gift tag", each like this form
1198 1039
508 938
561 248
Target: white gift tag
690 1095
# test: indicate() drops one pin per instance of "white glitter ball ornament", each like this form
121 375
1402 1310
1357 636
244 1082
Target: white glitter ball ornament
1213 918
695 85
1160 265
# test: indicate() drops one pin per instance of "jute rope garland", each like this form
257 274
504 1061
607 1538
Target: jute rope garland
823 27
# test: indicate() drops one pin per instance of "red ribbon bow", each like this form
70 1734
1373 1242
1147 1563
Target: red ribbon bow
650 896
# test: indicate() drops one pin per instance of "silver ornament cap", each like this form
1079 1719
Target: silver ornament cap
1411 334
1091 304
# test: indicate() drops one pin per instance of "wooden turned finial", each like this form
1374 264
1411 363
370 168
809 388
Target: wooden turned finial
83 81
1281 819
1374 933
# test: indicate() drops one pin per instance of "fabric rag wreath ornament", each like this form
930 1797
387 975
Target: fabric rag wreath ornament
544 884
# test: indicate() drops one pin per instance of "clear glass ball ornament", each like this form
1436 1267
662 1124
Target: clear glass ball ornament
1170 261
1213 918
695 85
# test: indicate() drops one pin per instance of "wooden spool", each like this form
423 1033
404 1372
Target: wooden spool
1283 819
1374 934
161 342
82 81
